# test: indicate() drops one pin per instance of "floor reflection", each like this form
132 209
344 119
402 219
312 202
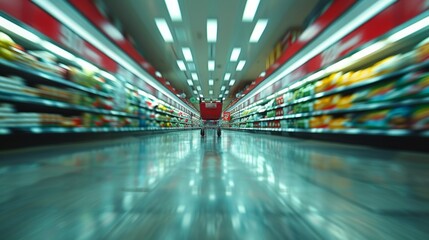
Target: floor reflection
238 186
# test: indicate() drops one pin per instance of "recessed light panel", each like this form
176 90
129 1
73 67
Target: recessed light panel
174 10
181 65
187 54
250 10
227 76
240 65
211 65
258 30
164 29
211 30
235 54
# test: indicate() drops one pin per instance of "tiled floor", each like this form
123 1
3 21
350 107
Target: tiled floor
239 186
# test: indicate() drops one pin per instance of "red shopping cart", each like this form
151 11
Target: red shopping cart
211 116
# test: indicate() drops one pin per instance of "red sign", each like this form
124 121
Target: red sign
226 116
335 10
33 16
91 12
393 16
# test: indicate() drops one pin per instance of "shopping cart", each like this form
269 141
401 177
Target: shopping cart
211 116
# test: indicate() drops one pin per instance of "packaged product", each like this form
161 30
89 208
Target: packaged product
399 118
394 63
271 113
280 100
422 51
320 121
306 107
338 123
371 120
420 118
303 123
327 83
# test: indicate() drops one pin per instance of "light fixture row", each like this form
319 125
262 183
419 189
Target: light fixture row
249 13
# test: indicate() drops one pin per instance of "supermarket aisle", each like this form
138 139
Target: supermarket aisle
240 186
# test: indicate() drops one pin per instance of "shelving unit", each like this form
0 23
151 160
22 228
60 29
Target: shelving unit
30 74
336 102
87 102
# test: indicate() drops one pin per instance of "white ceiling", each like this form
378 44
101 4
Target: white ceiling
137 19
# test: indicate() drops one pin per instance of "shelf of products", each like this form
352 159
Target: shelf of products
8 67
43 93
388 97
356 131
60 130
20 99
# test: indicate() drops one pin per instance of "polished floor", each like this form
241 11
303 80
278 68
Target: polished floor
239 186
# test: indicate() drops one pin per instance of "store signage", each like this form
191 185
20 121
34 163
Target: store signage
49 26
226 116
91 12
393 16
335 10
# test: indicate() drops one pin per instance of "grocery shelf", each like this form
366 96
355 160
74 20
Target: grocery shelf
170 114
360 108
60 130
25 71
344 89
379 132
372 81
59 105
372 107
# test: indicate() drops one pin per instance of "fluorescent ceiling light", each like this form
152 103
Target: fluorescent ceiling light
211 65
220 95
250 10
86 65
194 76
190 82
222 88
258 30
232 82
82 27
227 76
227 91
19 30
262 74
195 92
361 13
181 65
201 96
223 98
211 82
58 51
235 54
174 10
164 29
409 30
158 74
369 50
187 54
211 30
108 75
240 65
211 92
198 88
